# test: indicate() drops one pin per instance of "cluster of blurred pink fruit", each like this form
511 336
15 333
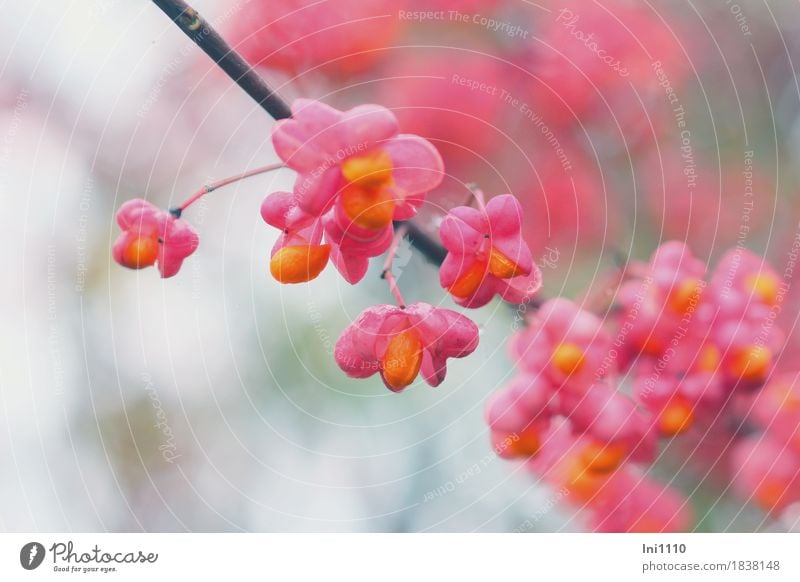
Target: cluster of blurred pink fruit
543 85
676 355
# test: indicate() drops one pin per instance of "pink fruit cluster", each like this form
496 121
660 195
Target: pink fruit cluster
560 360
625 499
487 255
355 175
592 397
691 343
398 343
151 236
765 465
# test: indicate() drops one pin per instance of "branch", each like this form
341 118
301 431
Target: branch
209 40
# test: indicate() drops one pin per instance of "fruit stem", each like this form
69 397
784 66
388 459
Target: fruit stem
387 267
178 210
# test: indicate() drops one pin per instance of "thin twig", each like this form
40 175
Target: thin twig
178 210
387 266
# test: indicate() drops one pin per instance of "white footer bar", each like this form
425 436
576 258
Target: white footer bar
401 557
